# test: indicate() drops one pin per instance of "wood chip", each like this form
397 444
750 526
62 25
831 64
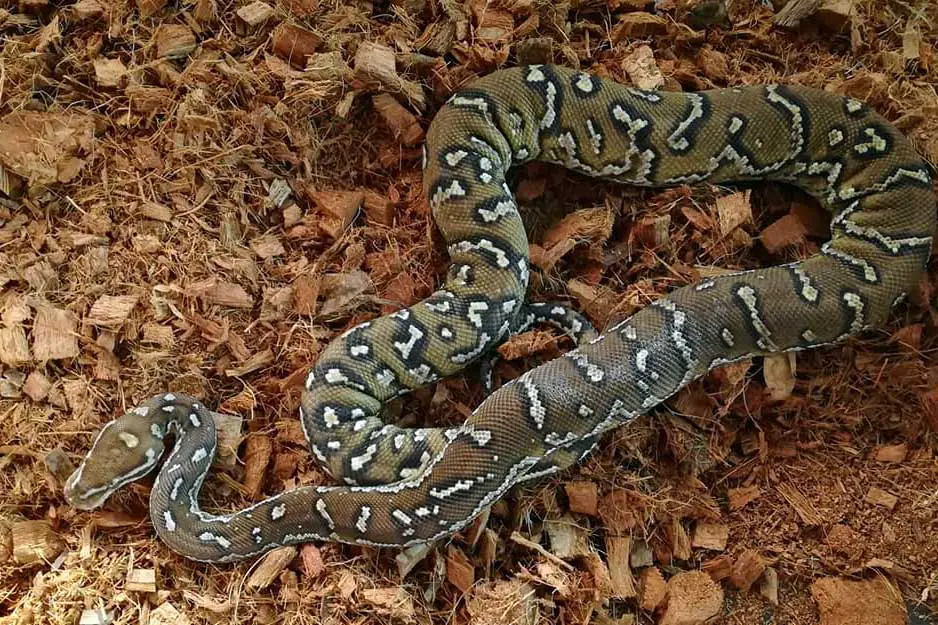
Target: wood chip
378 208
228 429
404 125
779 373
267 246
494 24
879 497
911 44
37 386
55 334
678 540
568 539
733 211
638 26
845 602
255 14
14 348
653 589
95 617
109 72
739 497
410 557
35 541
788 230
174 41
111 311
340 291
167 614
768 588
141 580
806 510
271 566
693 597
718 568
583 496
295 45
794 11
459 570
747 569
394 602
620 573
641 554
222 293
258 450
642 69
711 536
306 294
835 14
890 453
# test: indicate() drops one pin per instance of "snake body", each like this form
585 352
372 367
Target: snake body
406 486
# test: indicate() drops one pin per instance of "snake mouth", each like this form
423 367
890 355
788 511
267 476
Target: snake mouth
87 500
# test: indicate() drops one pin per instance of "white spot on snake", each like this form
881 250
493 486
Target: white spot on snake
278 511
536 409
175 491
501 258
809 336
676 140
834 137
748 295
361 523
454 158
194 420
593 372
403 314
460 485
481 437
401 516
446 333
330 417
473 313
357 462
736 124
129 439
808 290
584 410
358 350
169 397
641 360
385 377
156 431
441 307
855 302
596 138
169 408
584 83
442 194
423 374
199 455
335 376
399 441
509 305
727 337
706 284
208 537
521 155
169 521
875 144
324 513
502 209
483 343
406 348
854 105
869 272
142 410
535 74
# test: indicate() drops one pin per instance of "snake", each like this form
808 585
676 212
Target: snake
397 487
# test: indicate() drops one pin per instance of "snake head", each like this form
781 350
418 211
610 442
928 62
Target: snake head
125 450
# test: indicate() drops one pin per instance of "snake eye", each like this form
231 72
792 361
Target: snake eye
125 450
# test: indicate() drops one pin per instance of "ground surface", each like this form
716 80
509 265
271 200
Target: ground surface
176 202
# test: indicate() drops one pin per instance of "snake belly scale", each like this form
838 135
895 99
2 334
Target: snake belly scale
407 486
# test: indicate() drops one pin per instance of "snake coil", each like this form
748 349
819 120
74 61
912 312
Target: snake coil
406 486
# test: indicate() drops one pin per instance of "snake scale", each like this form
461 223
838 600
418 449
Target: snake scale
408 486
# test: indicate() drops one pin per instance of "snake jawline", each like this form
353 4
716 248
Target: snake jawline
410 486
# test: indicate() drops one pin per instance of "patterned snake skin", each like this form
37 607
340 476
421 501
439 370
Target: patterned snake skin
407 486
